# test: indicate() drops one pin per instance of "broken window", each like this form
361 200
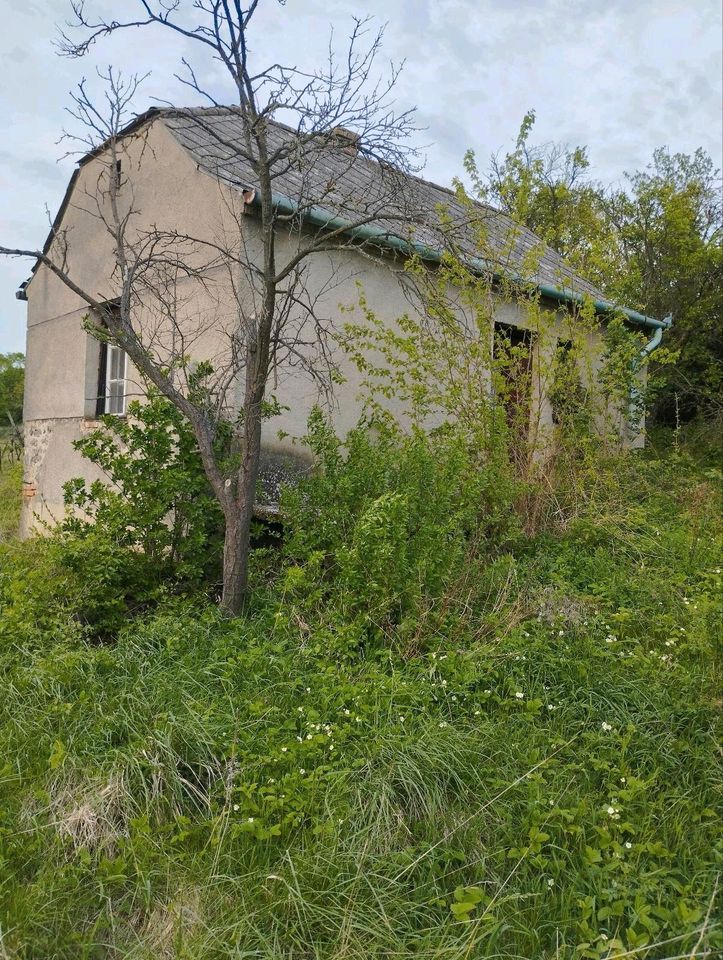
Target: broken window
567 396
512 362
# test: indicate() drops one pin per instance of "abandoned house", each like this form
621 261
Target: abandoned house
178 172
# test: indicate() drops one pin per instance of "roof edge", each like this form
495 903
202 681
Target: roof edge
368 232
324 219
134 124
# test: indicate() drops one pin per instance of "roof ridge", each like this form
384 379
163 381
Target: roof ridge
450 191
552 267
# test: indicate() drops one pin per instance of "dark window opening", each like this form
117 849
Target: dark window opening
512 361
562 380
512 381
567 395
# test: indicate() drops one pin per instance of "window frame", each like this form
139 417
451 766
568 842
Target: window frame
108 395
113 354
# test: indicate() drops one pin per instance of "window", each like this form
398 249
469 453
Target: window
512 382
567 395
106 369
115 381
512 364
111 397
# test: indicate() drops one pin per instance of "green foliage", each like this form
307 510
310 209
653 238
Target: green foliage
158 500
653 245
670 227
12 382
534 776
388 521
10 484
150 532
547 188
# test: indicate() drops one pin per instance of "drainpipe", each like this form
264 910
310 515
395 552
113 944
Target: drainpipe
649 348
657 337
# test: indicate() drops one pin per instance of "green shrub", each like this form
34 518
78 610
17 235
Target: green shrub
429 735
152 531
542 783
157 499
389 521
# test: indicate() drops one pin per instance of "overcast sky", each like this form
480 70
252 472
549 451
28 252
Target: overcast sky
620 76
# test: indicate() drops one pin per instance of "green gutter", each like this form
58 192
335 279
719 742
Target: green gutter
369 233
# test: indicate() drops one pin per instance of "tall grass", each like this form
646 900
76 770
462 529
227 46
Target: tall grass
535 776
10 483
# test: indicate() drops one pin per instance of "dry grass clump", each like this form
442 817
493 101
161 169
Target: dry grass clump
92 815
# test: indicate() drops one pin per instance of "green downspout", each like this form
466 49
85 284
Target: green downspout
649 347
657 338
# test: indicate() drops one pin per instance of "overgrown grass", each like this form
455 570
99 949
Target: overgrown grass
10 482
532 774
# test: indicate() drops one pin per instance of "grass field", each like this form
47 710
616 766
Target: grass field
10 479
534 775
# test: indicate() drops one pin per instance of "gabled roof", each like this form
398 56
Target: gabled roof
330 185
349 183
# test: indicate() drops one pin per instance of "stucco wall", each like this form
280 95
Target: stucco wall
62 358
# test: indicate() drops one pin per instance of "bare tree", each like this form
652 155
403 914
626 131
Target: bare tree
277 172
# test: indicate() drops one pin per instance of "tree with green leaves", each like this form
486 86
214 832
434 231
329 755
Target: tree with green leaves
653 244
12 382
669 225
548 188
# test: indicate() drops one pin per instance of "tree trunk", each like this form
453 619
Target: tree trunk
235 564
237 544
237 540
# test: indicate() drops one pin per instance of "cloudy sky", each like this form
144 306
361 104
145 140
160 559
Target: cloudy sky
621 76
